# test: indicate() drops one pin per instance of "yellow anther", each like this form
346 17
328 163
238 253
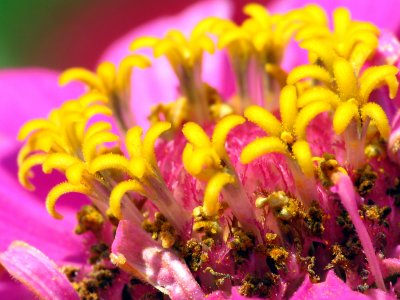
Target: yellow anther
92 98
313 32
221 132
118 193
196 135
375 77
143 42
262 146
150 138
288 106
58 191
89 145
58 161
318 94
308 72
107 74
213 189
378 116
97 128
319 50
344 114
138 167
302 152
24 171
287 137
32 126
74 173
345 79
109 161
306 115
263 118
201 162
258 13
134 141
126 65
82 75
341 20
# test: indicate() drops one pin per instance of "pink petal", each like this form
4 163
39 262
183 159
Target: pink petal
159 84
138 254
11 289
381 13
23 215
27 94
331 288
36 271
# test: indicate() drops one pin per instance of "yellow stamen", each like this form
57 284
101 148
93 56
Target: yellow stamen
378 116
306 115
213 189
221 132
308 71
58 191
302 152
344 113
263 118
118 193
262 146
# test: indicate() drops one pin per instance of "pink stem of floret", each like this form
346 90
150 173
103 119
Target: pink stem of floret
344 187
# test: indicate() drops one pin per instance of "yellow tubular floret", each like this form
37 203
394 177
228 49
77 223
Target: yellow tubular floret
344 114
258 13
91 98
308 72
262 146
89 145
58 161
378 116
374 77
222 130
58 191
288 106
302 153
341 20
203 158
306 115
34 125
74 173
82 75
318 94
346 81
109 161
213 189
134 141
97 128
264 119
118 193
24 171
107 73
126 65
150 139
196 135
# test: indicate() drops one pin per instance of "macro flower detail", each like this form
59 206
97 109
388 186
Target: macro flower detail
286 189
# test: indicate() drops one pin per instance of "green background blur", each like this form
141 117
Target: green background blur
59 34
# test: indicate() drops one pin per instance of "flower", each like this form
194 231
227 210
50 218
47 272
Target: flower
283 186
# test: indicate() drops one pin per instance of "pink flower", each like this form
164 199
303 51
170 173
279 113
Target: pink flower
296 198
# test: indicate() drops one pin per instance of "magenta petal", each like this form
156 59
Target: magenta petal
37 272
159 84
23 215
394 139
331 288
380 13
27 94
135 252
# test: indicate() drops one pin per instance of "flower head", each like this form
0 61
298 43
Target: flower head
290 179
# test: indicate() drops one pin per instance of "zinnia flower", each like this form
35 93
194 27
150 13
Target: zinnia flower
215 162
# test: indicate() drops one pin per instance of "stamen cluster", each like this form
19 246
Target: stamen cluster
240 188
